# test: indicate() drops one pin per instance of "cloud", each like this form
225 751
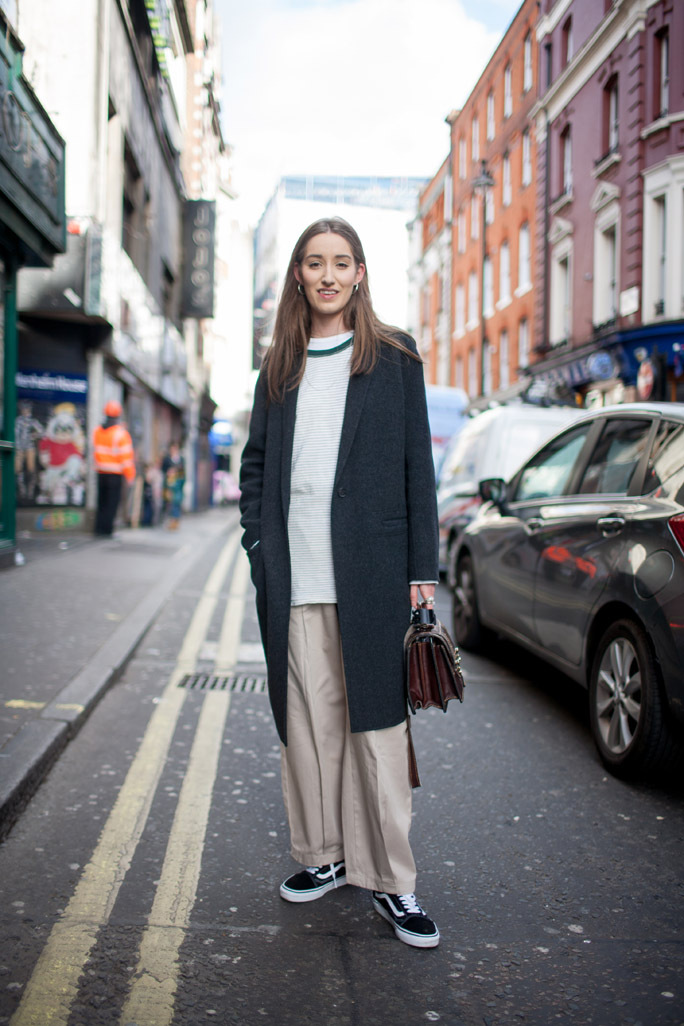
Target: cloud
351 87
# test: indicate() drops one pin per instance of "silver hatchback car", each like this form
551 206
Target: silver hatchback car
580 558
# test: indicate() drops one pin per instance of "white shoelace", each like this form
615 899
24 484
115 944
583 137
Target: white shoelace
410 904
333 866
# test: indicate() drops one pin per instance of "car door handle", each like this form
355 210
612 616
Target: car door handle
534 524
611 525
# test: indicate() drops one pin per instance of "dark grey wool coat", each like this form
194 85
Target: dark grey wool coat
384 531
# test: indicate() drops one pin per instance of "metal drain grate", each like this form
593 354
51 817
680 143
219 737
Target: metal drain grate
231 682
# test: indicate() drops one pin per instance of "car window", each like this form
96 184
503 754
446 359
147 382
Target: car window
616 456
667 458
548 473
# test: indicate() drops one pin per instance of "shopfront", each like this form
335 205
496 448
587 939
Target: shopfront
32 233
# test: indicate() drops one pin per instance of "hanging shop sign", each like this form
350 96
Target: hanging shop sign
199 227
31 165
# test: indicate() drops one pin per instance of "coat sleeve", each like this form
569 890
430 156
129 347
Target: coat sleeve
421 495
252 468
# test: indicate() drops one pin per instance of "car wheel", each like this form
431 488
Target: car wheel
629 720
468 630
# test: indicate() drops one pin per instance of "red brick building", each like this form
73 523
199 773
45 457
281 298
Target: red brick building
492 318
431 276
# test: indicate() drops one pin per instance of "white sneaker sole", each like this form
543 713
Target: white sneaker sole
414 940
313 893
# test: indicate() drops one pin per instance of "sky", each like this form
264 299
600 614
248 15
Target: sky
348 87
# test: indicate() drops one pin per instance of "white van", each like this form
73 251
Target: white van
492 444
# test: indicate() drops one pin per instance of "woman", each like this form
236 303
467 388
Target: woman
173 469
340 524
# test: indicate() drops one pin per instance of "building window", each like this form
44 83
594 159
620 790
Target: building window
662 68
504 273
491 126
508 91
472 374
459 310
461 231
487 367
506 187
473 312
605 274
526 157
504 372
524 343
661 242
524 279
462 158
488 277
527 63
459 372
548 64
168 288
610 117
489 206
561 320
474 217
134 233
566 161
567 50
475 139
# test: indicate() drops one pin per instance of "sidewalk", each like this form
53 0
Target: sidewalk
72 615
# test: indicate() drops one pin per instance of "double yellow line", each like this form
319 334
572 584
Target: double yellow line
53 986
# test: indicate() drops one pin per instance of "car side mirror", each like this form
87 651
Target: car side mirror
493 489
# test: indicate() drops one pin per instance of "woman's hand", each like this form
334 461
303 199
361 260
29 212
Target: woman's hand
422 593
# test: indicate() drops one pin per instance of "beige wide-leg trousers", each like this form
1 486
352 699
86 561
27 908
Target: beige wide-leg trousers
347 795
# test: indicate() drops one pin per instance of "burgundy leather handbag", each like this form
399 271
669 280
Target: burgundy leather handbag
432 670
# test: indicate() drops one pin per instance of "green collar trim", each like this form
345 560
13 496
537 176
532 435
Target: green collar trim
329 352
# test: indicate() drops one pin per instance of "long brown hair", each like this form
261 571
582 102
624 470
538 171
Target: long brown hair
285 359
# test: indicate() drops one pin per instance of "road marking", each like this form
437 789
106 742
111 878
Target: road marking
231 628
53 985
153 991
23 703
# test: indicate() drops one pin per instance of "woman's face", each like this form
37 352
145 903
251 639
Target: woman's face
328 274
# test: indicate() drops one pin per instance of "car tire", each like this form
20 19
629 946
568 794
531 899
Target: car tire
629 718
467 626
451 562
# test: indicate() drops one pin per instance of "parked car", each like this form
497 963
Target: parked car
493 444
580 558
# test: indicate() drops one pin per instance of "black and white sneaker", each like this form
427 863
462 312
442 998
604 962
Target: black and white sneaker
410 923
313 882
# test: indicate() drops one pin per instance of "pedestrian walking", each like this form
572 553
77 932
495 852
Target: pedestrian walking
114 461
340 524
173 469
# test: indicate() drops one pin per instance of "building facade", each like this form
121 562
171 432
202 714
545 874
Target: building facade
493 225
32 234
117 314
610 127
430 276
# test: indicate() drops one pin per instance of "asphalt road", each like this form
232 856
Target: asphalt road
141 883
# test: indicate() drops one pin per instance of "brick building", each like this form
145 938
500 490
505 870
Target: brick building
493 258
430 276
610 131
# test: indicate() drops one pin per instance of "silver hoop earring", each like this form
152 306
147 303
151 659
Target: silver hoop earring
356 287
300 290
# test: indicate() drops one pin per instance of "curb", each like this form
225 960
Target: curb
27 757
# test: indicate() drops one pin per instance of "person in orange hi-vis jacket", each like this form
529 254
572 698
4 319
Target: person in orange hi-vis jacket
114 460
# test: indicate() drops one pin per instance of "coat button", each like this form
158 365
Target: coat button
342 492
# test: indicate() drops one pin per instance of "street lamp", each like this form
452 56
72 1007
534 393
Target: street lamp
481 183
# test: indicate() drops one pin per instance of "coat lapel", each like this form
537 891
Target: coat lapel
356 397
